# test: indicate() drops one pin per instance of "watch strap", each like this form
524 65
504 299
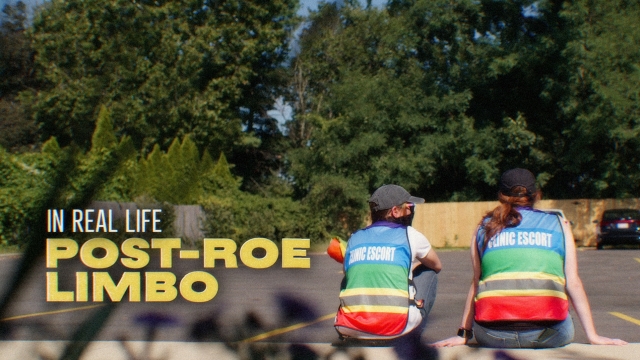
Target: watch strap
465 333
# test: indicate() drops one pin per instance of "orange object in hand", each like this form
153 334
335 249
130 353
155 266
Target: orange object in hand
337 249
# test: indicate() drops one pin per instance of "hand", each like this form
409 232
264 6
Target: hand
452 341
601 340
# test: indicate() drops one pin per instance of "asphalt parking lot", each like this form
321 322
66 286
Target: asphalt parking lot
296 306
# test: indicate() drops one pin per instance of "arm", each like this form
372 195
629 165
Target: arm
578 296
469 311
422 247
432 261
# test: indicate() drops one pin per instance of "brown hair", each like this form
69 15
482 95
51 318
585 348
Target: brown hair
505 215
383 215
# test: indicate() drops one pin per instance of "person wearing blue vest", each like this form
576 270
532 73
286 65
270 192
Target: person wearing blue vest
525 274
390 272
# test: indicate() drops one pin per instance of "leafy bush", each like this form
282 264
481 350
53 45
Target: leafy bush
23 183
273 214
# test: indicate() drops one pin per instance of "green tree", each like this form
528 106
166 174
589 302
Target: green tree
16 55
103 136
386 99
17 130
219 177
183 180
598 151
179 176
120 186
442 96
150 174
165 69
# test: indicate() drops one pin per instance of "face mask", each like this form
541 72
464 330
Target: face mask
407 219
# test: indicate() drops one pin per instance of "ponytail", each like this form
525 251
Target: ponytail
506 215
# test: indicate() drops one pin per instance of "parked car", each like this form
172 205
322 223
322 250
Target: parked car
618 227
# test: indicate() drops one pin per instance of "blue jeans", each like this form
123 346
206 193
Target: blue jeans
425 281
554 336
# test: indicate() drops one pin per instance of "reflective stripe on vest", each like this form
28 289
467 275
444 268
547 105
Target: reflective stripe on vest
523 272
375 298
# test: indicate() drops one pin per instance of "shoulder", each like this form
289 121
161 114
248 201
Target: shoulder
413 233
419 244
553 215
540 212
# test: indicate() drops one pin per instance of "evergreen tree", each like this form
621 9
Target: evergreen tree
103 135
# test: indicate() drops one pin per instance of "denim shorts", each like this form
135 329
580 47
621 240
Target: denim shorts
425 281
556 335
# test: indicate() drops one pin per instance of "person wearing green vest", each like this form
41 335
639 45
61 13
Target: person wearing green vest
390 272
525 273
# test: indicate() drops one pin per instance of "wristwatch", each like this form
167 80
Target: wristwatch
464 333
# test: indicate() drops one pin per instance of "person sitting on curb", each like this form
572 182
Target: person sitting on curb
525 273
390 271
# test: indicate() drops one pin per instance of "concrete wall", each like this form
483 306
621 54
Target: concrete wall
453 224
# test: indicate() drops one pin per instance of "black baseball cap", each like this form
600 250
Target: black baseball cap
388 196
517 177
